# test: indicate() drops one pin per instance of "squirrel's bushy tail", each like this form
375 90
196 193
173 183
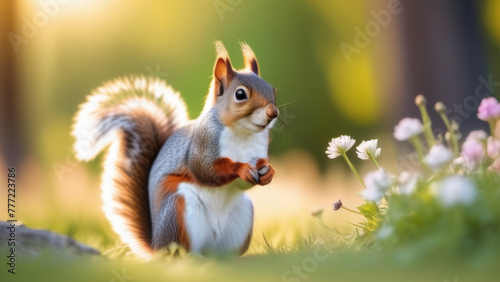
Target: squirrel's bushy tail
135 115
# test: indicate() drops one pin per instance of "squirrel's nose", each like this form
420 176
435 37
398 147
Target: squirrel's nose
272 111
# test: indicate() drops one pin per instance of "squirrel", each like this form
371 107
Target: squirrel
171 179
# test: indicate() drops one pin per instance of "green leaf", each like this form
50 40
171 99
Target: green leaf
371 213
369 210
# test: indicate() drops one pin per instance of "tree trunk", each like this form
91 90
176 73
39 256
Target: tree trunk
11 142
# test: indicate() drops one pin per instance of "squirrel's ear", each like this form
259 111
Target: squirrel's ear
249 58
223 71
223 68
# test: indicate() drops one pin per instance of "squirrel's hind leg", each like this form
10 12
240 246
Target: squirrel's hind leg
170 223
182 218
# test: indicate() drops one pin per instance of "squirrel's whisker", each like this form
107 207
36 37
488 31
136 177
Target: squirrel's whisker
291 102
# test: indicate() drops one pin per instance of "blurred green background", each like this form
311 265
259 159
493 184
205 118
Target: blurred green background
70 47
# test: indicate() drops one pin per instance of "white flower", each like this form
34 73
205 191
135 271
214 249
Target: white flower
384 232
368 149
478 135
458 163
372 195
407 182
377 183
379 180
339 145
456 190
438 157
407 128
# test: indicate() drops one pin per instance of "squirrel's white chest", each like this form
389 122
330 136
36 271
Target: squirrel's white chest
245 148
220 219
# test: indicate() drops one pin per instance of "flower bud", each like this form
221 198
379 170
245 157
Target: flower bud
420 100
317 212
440 107
337 205
447 136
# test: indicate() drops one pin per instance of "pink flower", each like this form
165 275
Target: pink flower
493 150
478 135
495 165
493 147
472 153
489 109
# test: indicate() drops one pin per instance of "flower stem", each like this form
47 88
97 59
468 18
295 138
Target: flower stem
334 229
375 161
352 168
356 225
453 136
492 124
353 211
418 147
427 125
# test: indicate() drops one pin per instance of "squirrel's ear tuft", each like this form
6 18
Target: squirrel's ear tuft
223 71
221 49
249 58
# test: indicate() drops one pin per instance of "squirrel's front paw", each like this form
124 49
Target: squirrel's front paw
266 172
249 174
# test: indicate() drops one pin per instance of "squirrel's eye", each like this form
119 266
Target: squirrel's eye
240 94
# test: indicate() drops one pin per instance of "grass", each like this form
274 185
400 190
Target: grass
288 244
270 267
289 266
